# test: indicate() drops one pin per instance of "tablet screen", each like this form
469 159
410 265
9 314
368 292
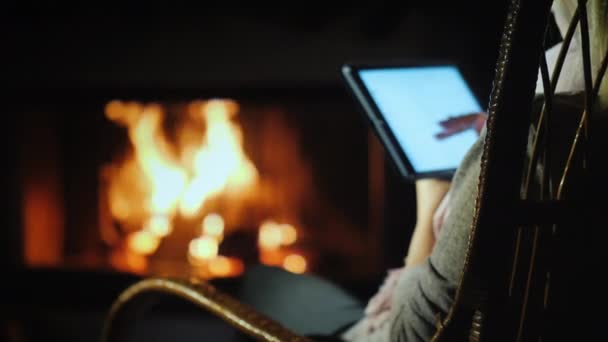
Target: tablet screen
416 103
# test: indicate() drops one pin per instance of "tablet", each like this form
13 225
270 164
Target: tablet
426 116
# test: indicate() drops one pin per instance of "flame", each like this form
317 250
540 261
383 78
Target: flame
162 179
220 162
166 179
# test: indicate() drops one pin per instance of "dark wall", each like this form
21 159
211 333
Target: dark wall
116 45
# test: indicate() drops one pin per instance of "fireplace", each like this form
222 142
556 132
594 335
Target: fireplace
202 186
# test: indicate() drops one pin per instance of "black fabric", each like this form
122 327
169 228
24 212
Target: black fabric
305 304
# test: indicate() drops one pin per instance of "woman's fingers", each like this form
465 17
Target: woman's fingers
382 299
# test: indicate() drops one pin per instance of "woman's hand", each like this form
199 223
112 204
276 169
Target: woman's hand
377 311
381 301
455 125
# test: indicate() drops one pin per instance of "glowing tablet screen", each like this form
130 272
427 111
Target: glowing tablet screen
414 102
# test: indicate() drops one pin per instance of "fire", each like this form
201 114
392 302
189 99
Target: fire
167 177
220 162
161 180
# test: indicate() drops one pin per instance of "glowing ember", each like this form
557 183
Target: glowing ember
295 263
272 257
128 261
269 236
203 248
159 226
143 242
225 267
213 225
273 235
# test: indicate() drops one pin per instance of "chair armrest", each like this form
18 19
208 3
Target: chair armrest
137 298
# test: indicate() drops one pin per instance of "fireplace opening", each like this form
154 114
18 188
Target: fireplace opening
202 186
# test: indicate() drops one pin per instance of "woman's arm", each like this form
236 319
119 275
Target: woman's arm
429 194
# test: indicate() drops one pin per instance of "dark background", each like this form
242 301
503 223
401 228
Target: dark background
60 52
136 45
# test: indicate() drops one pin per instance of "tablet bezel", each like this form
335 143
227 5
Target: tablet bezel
350 73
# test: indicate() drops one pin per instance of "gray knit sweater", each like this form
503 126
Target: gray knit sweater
429 289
